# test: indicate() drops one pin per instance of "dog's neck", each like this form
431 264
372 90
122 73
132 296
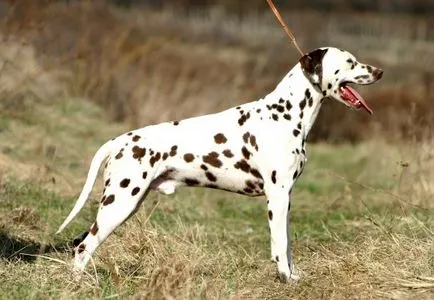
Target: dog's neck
293 87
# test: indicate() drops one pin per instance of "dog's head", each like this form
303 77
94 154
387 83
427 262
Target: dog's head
331 70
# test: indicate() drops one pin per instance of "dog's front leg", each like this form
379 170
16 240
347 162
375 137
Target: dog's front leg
279 196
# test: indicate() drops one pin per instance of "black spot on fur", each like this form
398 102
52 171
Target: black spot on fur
256 173
107 182
125 183
287 117
173 150
302 104
94 229
154 159
296 132
188 157
288 105
191 181
212 159
81 248
135 191
119 155
246 153
250 184
243 118
144 175
247 190
295 175
109 200
243 166
76 241
138 152
228 153
220 138
246 137
253 143
275 117
211 176
176 123
273 176
270 215
136 138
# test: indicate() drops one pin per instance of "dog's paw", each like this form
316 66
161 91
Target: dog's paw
288 278
292 277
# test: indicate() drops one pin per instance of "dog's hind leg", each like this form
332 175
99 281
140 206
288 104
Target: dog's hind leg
121 199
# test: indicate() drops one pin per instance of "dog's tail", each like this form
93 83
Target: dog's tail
97 160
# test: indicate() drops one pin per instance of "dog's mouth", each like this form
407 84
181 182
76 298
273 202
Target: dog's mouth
353 98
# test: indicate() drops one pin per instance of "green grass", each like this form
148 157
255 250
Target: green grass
203 243
362 224
210 244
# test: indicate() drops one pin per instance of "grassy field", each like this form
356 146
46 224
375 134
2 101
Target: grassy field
362 223
362 218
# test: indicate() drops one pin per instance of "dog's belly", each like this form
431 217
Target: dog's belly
232 180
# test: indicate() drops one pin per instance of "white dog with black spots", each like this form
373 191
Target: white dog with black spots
255 149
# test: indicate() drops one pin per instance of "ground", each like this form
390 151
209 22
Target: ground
362 224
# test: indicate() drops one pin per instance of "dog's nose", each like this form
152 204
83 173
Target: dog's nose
378 73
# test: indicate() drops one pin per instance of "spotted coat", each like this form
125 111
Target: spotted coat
254 149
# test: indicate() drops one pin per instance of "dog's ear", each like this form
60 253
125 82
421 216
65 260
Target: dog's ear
311 64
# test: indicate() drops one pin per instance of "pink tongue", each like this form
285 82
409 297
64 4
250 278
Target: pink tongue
357 96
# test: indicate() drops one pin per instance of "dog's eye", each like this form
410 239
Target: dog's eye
351 63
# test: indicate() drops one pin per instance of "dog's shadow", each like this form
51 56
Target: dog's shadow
14 248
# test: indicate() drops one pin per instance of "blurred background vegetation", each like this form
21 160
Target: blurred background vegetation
151 61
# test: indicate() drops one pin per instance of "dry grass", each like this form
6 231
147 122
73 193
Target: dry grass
362 227
362 216
182 63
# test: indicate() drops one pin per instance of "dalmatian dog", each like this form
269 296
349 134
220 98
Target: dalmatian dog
255 149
